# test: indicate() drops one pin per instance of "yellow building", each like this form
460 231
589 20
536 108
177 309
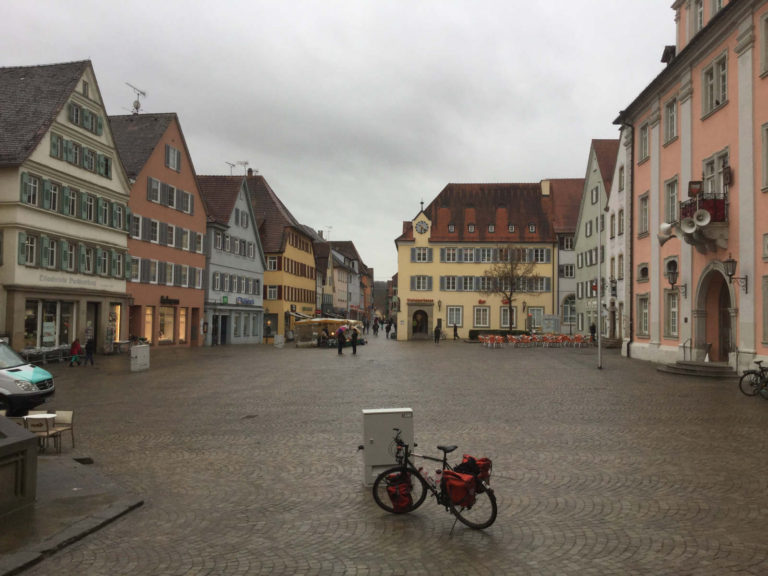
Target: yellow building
444 252
290 289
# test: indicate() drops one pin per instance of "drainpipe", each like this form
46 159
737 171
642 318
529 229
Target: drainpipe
630 198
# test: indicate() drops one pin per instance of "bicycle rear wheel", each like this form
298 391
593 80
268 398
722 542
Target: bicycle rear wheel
750 383
481 514
383 483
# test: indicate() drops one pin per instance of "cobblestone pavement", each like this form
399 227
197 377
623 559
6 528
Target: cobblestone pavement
247 461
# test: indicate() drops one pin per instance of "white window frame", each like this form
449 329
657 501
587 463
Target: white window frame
54 205
217 240
643 215
90 208
135 269
481 316
643 315
153 271
105 212
69 260
421 254
504 317
595 194
450 283
467 283
271 263
671 201
537 316
154 231
670 120
469 254
714 82
450 255
643 143
154 190
271 292
485 283
119 265
135 226
170 235
217 281
73 197
185 239
698 15
170 271
184 276
199 243
103 264
421 282
671 313
90 255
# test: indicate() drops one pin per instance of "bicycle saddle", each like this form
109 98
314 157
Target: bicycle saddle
447 449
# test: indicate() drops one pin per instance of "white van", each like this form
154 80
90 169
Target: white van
22 385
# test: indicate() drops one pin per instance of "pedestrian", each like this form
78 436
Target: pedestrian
75 351
340 339
592 331
455 332
388 328
90 348
437 334
354 341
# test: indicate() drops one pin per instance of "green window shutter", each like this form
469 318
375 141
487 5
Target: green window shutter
69 151
86 116
99 125
63 245
101 165
54 145
22 248
64 207
128 265
97 264
81 258
24 184
83 206
128 218
113 262
45 250
71 112
47 194
113 211
100 210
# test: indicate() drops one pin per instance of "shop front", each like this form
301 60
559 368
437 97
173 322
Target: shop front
239 322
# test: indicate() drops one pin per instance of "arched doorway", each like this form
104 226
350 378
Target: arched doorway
715 315
420 324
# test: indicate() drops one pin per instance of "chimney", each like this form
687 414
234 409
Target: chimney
250 172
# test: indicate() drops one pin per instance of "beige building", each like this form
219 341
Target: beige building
444 251
63 211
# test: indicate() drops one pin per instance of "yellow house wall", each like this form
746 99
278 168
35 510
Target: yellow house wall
284 278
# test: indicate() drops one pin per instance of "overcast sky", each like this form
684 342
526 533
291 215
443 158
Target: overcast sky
354 111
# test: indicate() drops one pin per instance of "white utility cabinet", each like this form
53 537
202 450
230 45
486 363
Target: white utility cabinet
378 434
139 357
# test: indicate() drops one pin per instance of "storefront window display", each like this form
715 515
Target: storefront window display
165 320
149 316
182 325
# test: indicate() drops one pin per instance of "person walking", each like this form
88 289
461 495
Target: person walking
354 341
75 351
340 339
592 331
90 348
388 328
455 332
437 334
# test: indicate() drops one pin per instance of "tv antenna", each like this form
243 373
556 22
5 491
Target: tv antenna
231 166
139 94
243 163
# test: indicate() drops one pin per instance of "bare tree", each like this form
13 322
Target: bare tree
511 273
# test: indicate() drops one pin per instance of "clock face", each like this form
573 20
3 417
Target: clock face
421 227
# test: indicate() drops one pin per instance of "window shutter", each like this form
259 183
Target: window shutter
69 151
163 234
64 204
176 274
442 254
413 282
81 259
177 237
22 248
128 218
547 284
45 251
113 262
97 264
145 232
128 266
429 282
178 160
100 210
548 255
429 254
101 164
179 199
279 262
24 184
164 194
54 145
167 154
149 187
71 112
161 272
83 206
99 125
47 194
442 283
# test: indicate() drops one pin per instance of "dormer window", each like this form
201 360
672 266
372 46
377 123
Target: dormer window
491 228
511 228
451 228
531 227
85 88
470 227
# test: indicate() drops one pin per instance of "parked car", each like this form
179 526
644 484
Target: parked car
22 385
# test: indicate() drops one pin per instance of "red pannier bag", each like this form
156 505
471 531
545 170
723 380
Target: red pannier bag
399 490
478 467
460 488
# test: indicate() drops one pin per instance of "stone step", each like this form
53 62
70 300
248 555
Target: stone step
700 369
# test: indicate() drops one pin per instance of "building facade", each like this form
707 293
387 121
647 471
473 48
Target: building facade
167 230
234 305
590 237
699 177
289 278
63 211
446 250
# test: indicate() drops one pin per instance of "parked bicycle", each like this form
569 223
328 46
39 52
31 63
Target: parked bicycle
464 490
755 382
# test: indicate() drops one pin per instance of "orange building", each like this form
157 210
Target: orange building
167 230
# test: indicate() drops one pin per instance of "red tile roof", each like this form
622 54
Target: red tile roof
272 217
606 152
219 194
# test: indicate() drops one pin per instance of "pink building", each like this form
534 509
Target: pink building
699 182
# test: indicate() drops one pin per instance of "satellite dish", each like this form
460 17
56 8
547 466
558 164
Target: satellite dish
702 217
688 225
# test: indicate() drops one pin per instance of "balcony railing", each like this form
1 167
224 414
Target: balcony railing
715 204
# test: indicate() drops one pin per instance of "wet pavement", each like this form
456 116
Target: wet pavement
245 460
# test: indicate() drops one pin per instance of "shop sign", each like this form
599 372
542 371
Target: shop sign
241 300
169 301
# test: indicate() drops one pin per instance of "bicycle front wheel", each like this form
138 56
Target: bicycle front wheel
390 499
750 383
481 514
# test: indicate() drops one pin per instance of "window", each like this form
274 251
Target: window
671 201
595 194
135 226
119 270
485 254
169 270
569 310
31 189
89 160
621 178
469 254
172 158
226 284
717 5
642 273
504 317
198 278
199 243
421 282
698 15
482 316
531 227
643 150
567 271
714 173
68 256
185 240
103 263
154 190
764 44
715 85
642 216
670 120
50 252
536 313
580 259
76 157
588 229
451 228
171 197
671 314
104 216
53 198
185 276
227 243
88 262
118 221
165 321
566 243
90 208
271 262
620 271
485 284
153 271
186 202
511 228
467 283
450 283
453 316
491 228
613 225
154 231
217 281
57 146
135 269
271 292
642 315
621 221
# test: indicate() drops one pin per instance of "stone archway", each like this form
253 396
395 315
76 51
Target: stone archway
714 315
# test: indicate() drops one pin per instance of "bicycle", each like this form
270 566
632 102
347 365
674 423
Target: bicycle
477 511
754 382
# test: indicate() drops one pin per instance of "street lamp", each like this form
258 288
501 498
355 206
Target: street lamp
730 269
672 275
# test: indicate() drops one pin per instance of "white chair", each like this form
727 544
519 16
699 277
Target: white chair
44 429
65 422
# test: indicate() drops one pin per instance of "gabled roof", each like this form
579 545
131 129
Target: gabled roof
606 152
30 99
136 137
271 215
347 248
502 205
219 194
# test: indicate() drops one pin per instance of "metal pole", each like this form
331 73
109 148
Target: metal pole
599 295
